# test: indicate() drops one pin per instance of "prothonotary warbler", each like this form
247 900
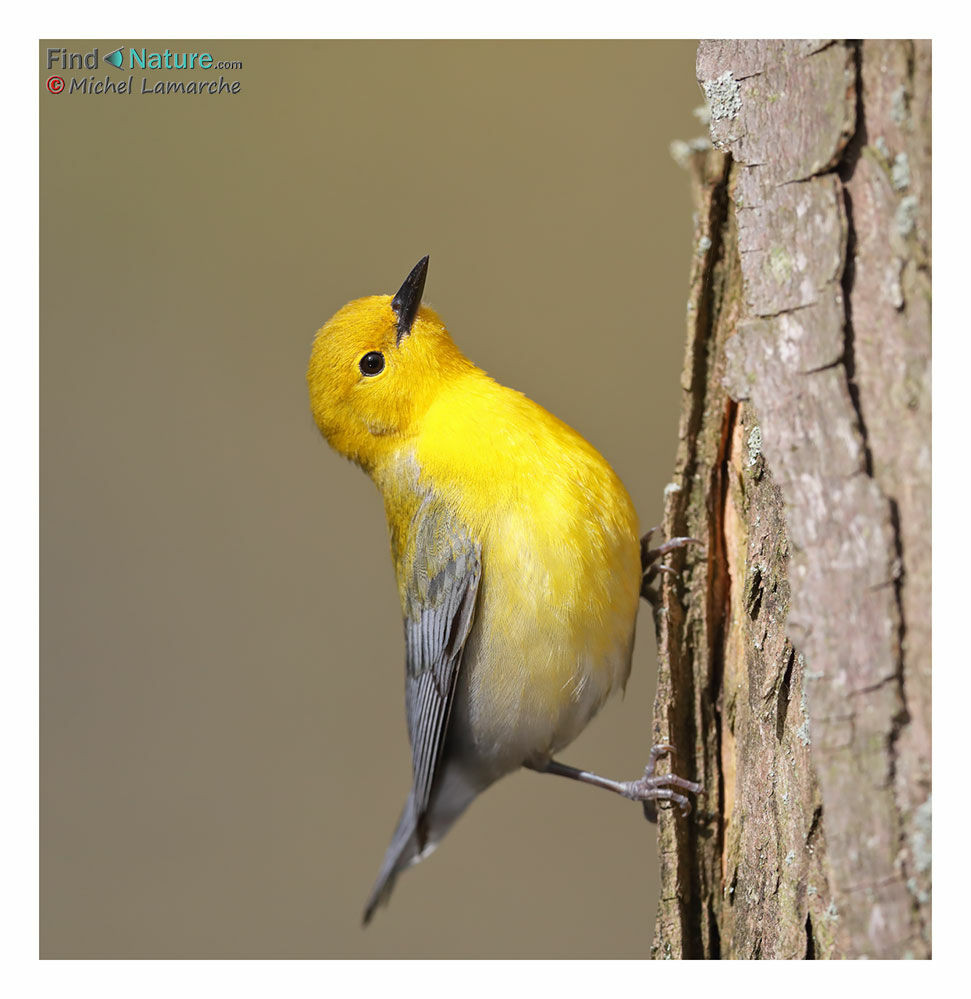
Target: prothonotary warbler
516 552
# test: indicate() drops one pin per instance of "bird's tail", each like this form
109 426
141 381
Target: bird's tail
452 794
402 852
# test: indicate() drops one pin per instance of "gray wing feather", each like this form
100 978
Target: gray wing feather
438 618
441 589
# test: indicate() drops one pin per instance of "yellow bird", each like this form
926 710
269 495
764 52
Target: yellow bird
516 551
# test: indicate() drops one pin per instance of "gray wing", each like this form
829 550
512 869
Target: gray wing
441 575
440 606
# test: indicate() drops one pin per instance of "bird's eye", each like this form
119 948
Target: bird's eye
372 363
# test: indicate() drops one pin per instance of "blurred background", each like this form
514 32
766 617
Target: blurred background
223 745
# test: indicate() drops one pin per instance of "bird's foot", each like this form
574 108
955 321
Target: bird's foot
651 564
661 787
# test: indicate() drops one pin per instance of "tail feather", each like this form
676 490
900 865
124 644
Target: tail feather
402 852
453 792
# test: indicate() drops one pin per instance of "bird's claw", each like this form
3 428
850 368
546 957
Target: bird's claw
651 787
651 564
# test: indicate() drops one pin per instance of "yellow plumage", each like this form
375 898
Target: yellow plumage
561 567
506 527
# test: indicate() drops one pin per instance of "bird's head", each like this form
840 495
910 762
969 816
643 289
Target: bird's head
375 368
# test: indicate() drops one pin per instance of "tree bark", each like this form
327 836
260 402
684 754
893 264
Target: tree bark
795 647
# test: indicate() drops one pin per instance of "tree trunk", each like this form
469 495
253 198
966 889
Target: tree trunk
795 648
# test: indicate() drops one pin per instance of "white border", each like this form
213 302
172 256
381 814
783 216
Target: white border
19 401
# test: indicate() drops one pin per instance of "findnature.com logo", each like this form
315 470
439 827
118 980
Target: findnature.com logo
64 61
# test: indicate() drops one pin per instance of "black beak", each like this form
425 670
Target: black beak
405 303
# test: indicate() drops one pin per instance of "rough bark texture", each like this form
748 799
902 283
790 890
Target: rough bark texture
796 647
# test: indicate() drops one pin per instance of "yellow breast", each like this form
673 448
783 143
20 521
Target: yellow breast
560 566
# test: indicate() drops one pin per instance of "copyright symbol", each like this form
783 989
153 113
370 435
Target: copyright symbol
55 84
